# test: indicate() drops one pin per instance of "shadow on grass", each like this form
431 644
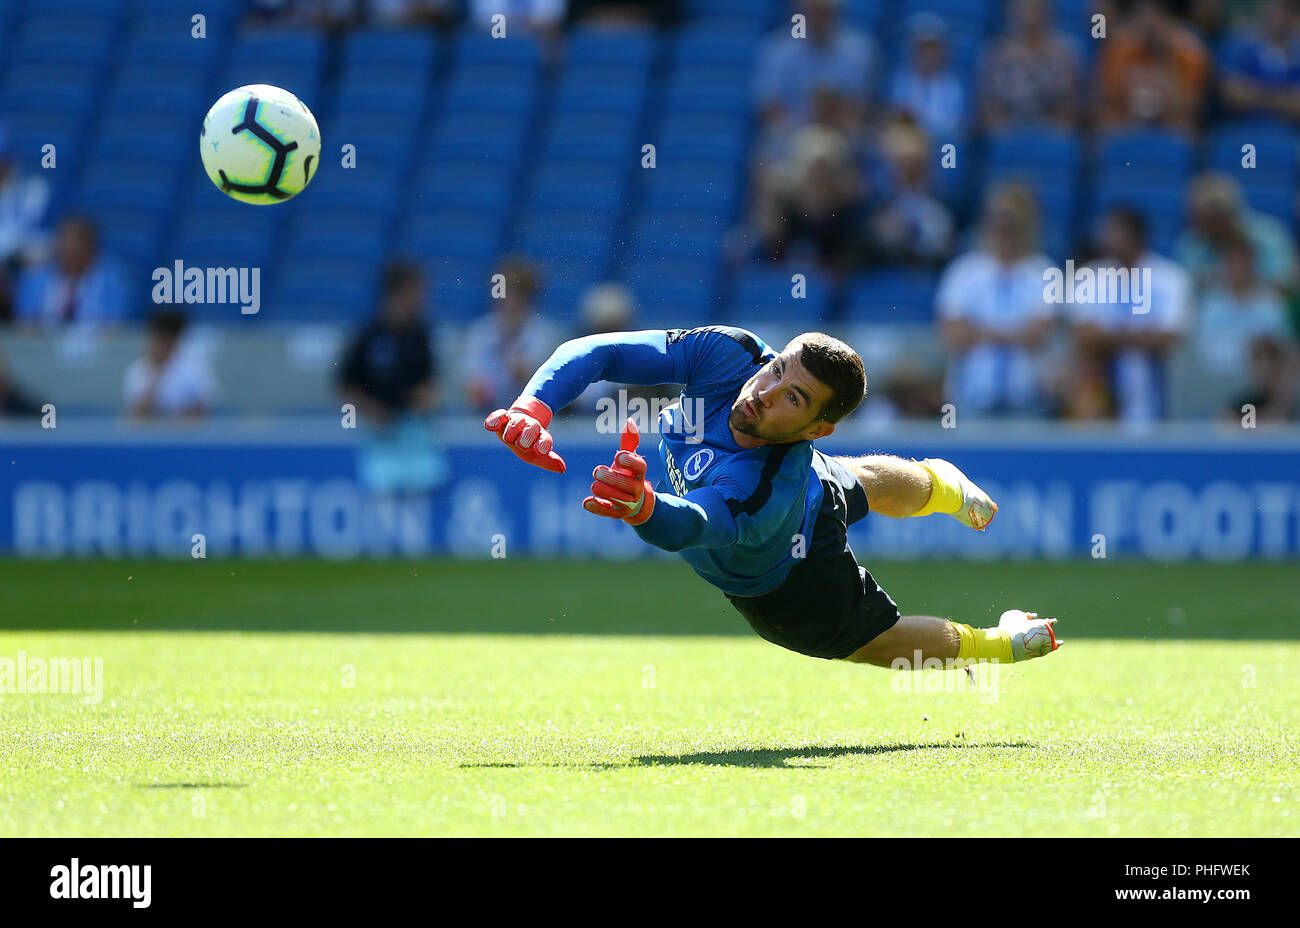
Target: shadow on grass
191 785
771 757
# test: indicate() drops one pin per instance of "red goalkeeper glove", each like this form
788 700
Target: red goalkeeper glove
621 491
523 428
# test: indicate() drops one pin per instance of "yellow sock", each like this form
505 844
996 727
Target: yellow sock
945 488
983 644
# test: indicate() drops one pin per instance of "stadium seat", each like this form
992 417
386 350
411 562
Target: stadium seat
49 38
1045 153
1271 184
692 93
698 185
606 49
129 234
467 93
385 53
703 44
129 183
164 38
461 234
577 185
508 62
401 102
662 233
122 139
673 292
590 137
324 290
702 137
759 13
766 294
222 240
293 61
892 296
1144 153
460 287
438 190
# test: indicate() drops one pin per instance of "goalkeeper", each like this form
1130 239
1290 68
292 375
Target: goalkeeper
751 505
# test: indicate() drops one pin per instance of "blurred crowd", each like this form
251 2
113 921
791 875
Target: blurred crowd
843 178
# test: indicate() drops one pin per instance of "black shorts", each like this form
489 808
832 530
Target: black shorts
828 606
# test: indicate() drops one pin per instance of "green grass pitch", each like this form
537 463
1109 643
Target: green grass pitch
528 698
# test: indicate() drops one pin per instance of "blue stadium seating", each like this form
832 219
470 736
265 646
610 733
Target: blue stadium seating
603 50
471 146
1144 153
325 289
759 12
673 292
165 38
892 296
578 185
468 91
455 233
382 55
64 38
705 45
460 287
1272 183
508 62
766 295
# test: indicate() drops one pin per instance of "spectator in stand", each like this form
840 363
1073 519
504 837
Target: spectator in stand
926 86
1272 391
810 206
23 202
1127 340
402 14
625 14
790 71
172 380
389 368
1219 216
1153 71
909 225
504 347
13 401
1237 310
994 315
542 17
608 307
80 286
1031 76
1261 66
390 376
328 15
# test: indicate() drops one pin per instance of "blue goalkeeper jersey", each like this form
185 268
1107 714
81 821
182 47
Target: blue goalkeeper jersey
740 517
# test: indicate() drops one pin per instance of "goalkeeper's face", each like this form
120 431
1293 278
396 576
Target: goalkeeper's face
781 403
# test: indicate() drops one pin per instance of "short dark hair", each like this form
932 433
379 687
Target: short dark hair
1133 219
400 273
839 367
521 276
167 323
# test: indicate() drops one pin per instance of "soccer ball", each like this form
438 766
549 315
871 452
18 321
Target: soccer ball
259 144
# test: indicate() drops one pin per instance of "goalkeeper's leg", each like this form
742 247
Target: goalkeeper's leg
1019 636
